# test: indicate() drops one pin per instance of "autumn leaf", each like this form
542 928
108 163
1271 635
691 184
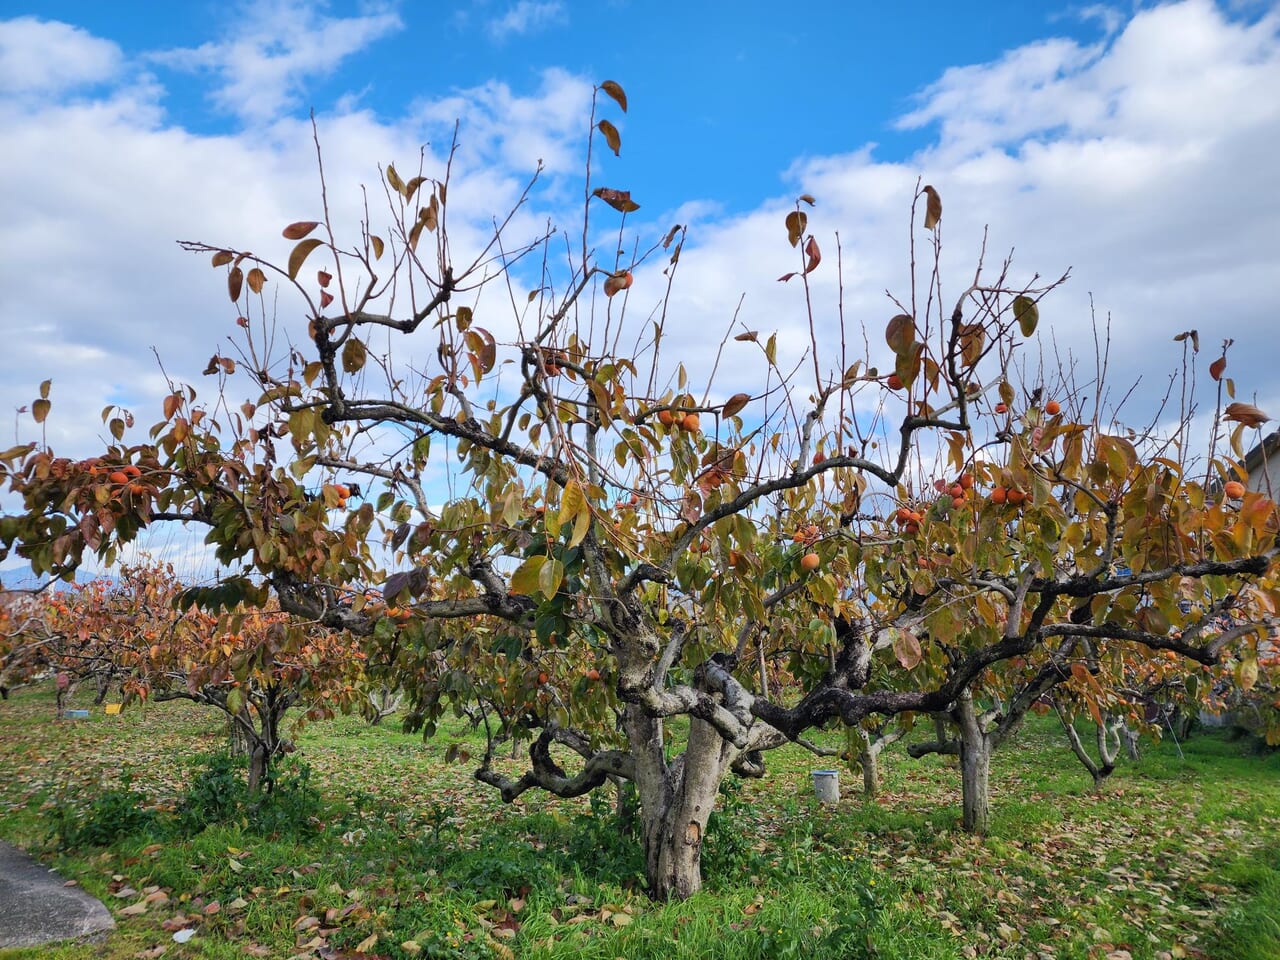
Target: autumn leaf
735 403
611 136
299 254
932 208
1245 413
1027 313
814 254
296 231
613 89
620 200
906 648
1217 367
796 222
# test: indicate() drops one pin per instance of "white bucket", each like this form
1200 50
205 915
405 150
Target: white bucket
826 785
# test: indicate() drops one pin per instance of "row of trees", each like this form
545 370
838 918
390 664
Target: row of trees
609 553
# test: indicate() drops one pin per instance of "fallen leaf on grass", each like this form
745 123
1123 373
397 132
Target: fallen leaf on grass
134 909
152 953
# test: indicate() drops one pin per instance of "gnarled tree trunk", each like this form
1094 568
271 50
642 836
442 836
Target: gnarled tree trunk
676 801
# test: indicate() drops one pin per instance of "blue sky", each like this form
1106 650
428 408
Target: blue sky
725 96
1132 143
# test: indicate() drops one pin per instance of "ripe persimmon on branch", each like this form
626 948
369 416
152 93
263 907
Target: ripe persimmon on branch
582 541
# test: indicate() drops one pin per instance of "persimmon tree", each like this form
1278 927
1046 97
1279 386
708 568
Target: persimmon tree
42 635
589 543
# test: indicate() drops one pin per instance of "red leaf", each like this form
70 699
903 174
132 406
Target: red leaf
815 255
296 231
1216 368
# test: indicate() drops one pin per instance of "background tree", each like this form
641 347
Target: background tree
594 546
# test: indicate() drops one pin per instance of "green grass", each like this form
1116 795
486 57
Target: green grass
1176 856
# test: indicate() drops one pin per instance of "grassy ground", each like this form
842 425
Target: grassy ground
403 855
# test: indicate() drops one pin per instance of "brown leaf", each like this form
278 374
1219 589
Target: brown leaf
620 200
611 136
932 208
971 340
40 409
751 336
735 403
907 649
613 89
1245 413
222 257
796 222
299 255
296 231
235 282
1216 368
257 279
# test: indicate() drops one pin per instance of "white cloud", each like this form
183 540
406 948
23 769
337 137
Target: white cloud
46 58
527 16
1141 163
274 49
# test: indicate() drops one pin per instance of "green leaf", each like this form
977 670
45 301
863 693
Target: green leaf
900 333
550 577
1027 313
525 580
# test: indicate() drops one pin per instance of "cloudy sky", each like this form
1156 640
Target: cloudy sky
1133 143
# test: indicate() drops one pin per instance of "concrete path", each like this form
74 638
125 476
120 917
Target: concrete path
36 907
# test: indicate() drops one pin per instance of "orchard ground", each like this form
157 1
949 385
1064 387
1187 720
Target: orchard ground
405 855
